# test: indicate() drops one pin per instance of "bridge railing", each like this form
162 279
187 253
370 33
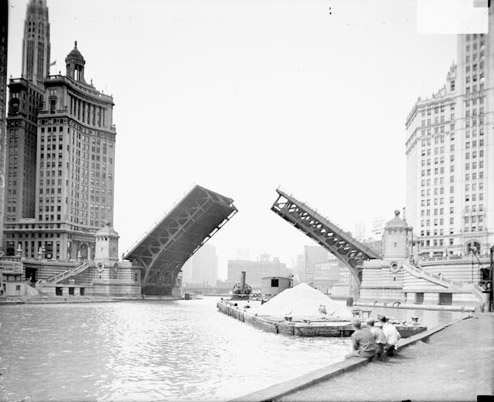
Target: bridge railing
69 273
158 221
438 279
347 236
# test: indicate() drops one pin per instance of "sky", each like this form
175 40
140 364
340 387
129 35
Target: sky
245 96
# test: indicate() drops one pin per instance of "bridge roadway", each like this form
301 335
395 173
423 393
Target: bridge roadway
338 242
177 236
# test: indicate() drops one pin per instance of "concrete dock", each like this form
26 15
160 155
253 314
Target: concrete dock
453 362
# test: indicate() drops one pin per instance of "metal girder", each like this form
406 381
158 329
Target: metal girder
180 233
338 242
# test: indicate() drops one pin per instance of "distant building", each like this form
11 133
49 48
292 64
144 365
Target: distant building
202 268
450 149
360 231
4 40
374 244
243 254
256 270
314 256
298 267
378 225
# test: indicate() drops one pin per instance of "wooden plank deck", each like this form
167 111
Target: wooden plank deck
240 310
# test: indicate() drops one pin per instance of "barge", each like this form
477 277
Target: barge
244 310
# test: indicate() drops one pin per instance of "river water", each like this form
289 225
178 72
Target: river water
182 350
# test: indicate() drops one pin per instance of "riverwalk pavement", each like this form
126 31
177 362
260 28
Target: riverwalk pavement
448 363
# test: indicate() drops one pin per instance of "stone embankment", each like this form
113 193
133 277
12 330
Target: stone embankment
453 362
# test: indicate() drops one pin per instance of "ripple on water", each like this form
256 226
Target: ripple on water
145 351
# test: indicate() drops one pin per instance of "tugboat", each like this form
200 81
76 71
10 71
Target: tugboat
241 291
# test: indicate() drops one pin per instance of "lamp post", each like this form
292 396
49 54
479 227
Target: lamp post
472 250
491 281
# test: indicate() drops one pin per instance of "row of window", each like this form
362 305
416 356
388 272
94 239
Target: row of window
437 109
474 197
474 175
435 242
473 121
474 77
474 219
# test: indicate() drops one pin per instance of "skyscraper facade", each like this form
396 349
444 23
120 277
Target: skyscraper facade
4 36
36 43
60 154
450 154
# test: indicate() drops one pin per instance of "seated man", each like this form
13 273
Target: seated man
392 336
379 336
363 342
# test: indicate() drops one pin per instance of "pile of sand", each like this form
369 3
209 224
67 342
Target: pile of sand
303 301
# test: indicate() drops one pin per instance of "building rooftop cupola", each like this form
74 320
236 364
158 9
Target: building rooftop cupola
396 222
75 64
107 231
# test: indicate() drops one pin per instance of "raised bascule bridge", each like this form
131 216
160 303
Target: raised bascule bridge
163 250
334 239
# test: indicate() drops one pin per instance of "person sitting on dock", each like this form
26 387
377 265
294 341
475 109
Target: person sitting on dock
379 336
363 342
392 336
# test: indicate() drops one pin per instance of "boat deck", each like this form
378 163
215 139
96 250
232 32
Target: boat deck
241 310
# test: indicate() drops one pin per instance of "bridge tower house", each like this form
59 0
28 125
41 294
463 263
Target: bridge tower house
113 277
382 279
396 238
106 245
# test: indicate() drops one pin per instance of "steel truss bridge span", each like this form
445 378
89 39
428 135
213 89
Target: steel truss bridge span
181 232
338 242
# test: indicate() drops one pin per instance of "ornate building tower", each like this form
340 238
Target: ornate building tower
36 43
25 101
4 36
60 154
75 164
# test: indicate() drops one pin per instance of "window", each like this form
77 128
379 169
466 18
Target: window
419 298
445 298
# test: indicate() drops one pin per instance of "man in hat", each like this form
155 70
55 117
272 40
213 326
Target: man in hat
379 336
363 342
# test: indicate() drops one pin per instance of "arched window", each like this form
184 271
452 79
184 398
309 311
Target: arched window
472 247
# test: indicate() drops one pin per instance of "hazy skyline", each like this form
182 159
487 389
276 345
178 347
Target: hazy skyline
244 96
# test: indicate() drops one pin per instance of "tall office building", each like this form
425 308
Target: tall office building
4 36
60 154
450 155
36 43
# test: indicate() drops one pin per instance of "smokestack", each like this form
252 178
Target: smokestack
242 280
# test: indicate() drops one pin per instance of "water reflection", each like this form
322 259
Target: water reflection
144 351
182 350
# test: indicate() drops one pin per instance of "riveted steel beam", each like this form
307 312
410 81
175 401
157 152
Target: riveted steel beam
177 236
338 242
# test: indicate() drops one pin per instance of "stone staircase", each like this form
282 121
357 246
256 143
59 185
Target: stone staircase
64 275
441 281
475 289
